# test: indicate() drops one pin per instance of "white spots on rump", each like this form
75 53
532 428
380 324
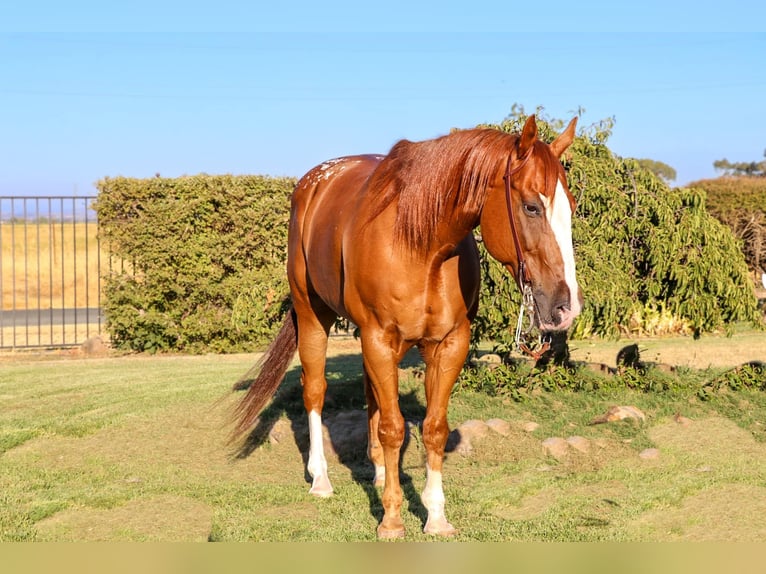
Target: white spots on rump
331 168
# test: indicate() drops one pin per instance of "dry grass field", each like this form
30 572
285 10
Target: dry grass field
50 265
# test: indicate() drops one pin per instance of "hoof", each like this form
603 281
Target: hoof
440 528
321 487
390 533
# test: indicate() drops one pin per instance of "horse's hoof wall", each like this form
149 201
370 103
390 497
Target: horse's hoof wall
444 529
321 488
320 493
390 533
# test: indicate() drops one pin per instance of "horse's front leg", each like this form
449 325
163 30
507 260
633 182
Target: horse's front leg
444 360
380 363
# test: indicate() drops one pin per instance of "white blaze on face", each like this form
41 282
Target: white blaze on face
559 216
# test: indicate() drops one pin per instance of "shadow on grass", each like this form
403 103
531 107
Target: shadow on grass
345 394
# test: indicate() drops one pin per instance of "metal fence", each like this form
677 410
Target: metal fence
50 272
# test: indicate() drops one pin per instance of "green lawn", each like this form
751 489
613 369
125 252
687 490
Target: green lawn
134 449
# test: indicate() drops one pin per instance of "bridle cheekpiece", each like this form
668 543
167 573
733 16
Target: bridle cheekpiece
524 280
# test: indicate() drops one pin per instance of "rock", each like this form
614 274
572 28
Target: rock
682 420
461 439
556 447
490 361
280 431
619 414
649 454
499 426
529 426
579 443
473 428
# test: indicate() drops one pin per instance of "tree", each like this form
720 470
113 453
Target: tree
659 169
750 169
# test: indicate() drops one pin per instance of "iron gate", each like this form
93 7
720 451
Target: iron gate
50 272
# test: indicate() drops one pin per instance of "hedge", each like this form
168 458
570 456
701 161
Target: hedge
205 261
206 257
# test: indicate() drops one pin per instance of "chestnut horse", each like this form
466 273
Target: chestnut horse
387 243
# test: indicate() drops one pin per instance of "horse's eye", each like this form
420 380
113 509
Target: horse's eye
532 210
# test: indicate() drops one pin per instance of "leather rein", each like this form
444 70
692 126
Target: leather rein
524 279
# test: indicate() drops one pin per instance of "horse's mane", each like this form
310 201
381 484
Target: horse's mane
436 179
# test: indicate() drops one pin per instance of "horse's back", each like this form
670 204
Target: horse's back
324 204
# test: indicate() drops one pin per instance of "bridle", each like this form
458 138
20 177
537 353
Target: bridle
524 279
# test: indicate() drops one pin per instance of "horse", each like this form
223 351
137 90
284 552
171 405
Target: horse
387 242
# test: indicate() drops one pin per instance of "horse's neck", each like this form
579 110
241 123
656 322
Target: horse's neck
454 230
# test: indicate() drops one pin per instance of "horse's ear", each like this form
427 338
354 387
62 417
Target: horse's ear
528 136
561 143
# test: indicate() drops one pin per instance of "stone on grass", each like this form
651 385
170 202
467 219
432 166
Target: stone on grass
649 454
620 413
281 431
556 447
579 443
530 426
500 426
461 439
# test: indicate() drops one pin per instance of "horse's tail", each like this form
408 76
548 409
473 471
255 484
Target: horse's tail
263 379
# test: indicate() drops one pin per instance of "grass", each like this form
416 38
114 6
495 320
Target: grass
48 265
132 448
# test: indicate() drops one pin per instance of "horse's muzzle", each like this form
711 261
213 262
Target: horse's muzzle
557 313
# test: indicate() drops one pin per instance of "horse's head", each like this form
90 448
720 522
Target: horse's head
526 224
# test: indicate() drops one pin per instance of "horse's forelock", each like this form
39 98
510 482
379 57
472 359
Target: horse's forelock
552 169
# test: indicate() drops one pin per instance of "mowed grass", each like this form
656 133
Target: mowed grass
134 448
50 265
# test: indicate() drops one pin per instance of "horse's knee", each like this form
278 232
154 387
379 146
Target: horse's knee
435 434
391 431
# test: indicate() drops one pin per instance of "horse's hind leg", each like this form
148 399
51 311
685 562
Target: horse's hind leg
374 448
314 324
444 360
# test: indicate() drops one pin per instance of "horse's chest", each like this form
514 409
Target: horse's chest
434 312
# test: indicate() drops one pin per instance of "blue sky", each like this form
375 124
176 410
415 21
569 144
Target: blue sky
89 90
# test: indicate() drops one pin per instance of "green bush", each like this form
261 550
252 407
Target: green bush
205 261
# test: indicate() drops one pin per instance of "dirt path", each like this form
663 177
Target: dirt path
703 353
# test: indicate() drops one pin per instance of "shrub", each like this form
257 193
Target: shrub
205 261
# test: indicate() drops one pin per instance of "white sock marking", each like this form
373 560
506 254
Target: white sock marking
317 464
433 494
